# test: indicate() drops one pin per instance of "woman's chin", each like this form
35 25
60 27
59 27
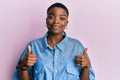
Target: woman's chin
55 32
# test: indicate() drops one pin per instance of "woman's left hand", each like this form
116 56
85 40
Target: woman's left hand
83 61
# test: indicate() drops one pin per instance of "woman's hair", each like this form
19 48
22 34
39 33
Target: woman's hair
58 5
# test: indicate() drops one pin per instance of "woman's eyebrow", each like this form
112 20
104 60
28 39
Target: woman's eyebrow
63 15
50 13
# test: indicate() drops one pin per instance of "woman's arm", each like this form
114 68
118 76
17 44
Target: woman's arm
84 75
24 75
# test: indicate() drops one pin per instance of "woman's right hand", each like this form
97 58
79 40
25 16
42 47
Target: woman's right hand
29 59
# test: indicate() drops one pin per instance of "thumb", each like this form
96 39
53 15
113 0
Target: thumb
29 49
85 51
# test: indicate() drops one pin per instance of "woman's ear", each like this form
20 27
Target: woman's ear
66 24
67 21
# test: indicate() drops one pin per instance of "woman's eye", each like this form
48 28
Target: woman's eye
62 19
50 17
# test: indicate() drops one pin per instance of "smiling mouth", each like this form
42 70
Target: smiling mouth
55 26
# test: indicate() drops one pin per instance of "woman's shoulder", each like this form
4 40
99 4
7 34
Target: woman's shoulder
36 41
73 40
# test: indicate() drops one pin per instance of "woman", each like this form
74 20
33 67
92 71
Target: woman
55 56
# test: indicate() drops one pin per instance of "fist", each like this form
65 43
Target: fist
29 59
82 61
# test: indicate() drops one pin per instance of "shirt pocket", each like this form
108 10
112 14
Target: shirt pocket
72 73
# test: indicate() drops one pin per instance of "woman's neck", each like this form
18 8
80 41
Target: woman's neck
53 39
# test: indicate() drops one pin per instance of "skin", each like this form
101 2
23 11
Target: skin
56 21
29 60
83 61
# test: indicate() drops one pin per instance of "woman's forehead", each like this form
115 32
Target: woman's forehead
57 10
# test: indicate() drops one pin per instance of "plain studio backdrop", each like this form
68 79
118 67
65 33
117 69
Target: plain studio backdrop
96 23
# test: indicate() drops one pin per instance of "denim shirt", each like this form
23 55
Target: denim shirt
56 63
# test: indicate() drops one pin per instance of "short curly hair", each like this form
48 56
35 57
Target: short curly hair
58 5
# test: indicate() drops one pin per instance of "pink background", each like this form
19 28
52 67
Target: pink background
95 22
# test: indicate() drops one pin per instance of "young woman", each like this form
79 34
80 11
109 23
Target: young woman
55 56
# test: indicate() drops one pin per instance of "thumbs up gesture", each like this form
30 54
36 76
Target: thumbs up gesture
29 59
82 61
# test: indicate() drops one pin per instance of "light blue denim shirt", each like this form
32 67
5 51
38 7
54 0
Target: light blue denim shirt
57 63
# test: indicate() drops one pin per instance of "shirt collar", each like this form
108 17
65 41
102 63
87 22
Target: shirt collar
61 45
45 44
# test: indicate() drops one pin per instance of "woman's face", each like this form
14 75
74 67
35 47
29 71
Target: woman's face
56 20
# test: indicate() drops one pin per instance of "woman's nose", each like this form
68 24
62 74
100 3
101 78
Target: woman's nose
56 20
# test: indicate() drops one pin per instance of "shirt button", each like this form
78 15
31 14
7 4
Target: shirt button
36 72
55 70
55 56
